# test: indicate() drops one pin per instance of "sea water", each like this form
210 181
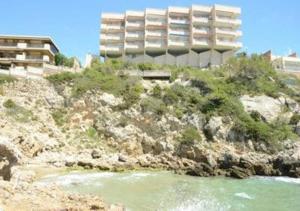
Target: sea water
168 191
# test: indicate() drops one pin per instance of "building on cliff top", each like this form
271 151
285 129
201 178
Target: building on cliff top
28 56
198 36
290 63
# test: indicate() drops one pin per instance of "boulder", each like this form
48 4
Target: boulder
195 119
162 146
96 154
218 128
110 100
239 173
269 108
9 156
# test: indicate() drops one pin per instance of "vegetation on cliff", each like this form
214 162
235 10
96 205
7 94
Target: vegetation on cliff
213 92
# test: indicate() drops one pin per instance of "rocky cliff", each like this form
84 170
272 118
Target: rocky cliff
199 123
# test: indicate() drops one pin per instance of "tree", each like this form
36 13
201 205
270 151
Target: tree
62 60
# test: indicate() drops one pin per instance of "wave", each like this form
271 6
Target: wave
243 195
282 179
201 204
135 176
75 178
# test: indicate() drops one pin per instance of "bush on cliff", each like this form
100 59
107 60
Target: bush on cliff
190 136
6 79
19 113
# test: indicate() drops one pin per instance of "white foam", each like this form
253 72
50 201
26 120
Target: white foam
74 178
282 179
201 204
136 176
243 195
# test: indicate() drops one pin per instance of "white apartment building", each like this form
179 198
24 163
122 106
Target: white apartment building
199 36
22 54
290 63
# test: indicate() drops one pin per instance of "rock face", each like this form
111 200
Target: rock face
269 108
9 156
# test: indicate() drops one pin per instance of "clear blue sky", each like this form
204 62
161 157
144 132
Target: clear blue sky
75 24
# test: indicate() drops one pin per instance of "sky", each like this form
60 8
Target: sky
75 24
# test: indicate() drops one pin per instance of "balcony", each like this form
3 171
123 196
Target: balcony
111 37
111 49
34 58
8 45
156 33
112 27
156 22
227 21
226 44
35 45
182 42
201 31
155 45
220 9
228 32
200 20
202 43
134 47
179 32
179 21
139 24
177 43
134 36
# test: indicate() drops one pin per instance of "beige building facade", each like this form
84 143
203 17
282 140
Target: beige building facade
198 36
23 54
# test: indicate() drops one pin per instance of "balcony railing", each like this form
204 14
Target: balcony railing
177 43
132 35
202 31
228 32
8 44
135 24
227 43
179 32
134 46
35 45
156 22
37 58
112 27
7 58
155 44
156 33
112 37
228 21
179 21
201 42
112 48
203 20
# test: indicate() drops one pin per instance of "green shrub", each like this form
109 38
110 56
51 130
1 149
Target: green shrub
91 132
157 92
295 119
190 136
131 95
146 66
9 104
6 79
19 113
154 105
59 116
62 60
63 77
170 97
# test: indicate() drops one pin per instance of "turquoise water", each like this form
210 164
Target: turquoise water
166 191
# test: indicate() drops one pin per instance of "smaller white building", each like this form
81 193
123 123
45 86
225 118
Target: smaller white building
290 63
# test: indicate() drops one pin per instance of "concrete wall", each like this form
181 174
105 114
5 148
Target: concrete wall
192 58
